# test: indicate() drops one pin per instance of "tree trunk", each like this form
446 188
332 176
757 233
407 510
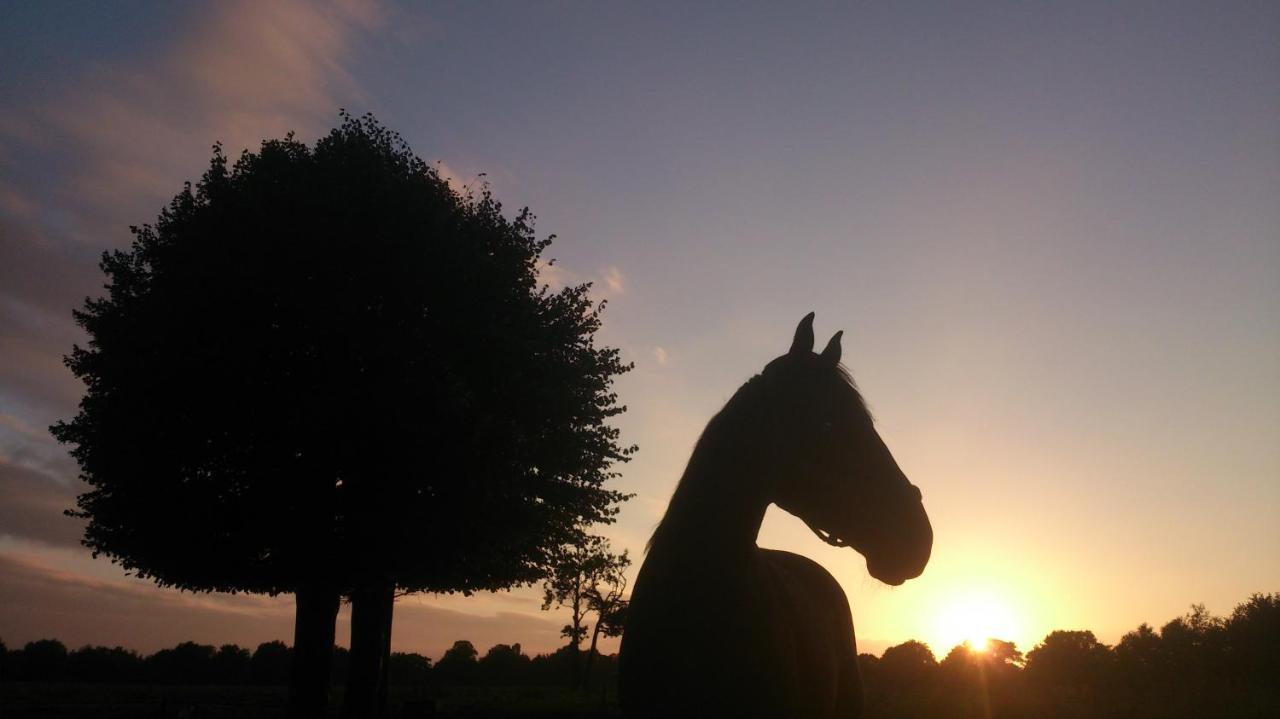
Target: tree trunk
575 678
591 655
575 666
317 609
385 680
371 609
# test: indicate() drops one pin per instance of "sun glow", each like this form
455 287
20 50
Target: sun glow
974 618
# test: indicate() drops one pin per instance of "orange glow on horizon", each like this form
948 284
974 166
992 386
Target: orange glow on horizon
973 618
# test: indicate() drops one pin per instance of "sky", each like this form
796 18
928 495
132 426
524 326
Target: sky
1051 236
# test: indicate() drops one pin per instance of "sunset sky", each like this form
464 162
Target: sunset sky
1052 238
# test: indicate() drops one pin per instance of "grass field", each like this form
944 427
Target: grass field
20 700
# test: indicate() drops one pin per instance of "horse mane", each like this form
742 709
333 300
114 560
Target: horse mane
729 415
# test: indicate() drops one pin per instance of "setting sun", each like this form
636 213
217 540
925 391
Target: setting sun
974 618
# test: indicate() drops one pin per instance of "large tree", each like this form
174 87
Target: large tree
324 372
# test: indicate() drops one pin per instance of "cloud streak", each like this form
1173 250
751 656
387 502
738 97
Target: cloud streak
32 504
42 601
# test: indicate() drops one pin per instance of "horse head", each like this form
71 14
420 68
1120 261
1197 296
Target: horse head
833 470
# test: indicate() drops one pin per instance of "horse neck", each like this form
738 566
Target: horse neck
721 499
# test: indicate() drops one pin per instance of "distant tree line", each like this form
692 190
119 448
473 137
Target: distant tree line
1197 665
189 663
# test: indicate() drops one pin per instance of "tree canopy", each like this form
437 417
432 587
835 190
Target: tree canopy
327 361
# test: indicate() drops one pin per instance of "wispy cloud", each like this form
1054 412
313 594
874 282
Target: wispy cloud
44 601
613 280
32 504
85 160
110 149
610 282
660 356
245 70
18 426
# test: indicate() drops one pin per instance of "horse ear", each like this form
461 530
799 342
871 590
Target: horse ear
832 352
803 342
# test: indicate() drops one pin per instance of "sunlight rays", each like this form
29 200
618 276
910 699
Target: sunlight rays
973 617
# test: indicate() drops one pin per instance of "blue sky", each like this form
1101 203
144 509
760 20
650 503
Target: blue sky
1051 235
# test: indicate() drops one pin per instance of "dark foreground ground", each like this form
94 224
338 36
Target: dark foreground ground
19 700
29 700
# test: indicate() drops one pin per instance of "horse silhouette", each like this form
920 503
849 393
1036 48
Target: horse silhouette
721 627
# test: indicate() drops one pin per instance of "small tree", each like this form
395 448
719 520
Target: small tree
408 669
605 599
1194 647
115 665
908 666
186 663
231 664
1253 630
585 577
504 665
270 663
1139 657
44 660
324 372
458 664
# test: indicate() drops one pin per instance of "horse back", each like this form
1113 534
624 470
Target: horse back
773 640
816 616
